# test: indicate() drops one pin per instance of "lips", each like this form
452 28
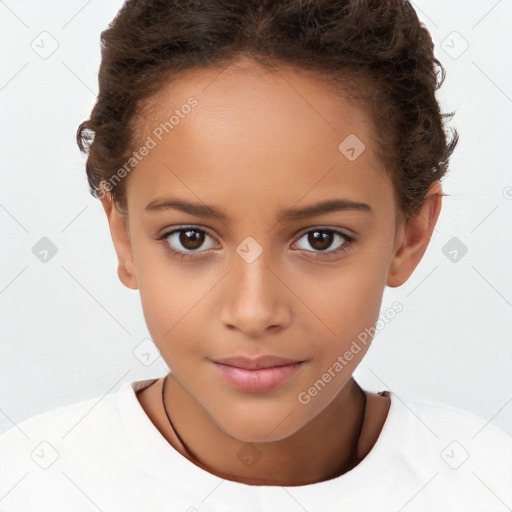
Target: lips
257 374
257 363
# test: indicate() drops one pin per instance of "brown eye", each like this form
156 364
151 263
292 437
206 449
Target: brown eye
186 241
191 239
320 240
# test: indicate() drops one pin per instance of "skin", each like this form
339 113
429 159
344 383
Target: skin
257 142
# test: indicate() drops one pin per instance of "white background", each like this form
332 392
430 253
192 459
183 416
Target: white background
69 327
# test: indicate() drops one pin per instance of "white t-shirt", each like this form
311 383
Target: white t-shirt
105 454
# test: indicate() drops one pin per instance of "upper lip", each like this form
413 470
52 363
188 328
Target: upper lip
257 363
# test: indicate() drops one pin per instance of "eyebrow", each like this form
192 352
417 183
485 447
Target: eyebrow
287 214
290 214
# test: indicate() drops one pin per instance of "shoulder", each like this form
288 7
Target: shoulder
59 423
83 419
465 455
46 439
46 460
442 419
454 459
34 453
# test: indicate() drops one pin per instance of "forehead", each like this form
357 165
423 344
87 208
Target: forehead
245 133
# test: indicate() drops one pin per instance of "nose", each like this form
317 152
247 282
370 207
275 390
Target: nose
255 299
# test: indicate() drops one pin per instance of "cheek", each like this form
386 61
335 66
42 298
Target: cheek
167 289
346 306
341 302
173 300
168 306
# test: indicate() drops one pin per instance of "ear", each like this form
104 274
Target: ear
413 237
120 233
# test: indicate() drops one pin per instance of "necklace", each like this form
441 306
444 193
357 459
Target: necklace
353 461
185 447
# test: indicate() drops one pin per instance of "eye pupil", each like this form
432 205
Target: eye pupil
322 238
191 239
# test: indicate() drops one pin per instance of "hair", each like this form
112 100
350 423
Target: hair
373 51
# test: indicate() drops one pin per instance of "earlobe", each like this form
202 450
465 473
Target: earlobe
413 238
120 233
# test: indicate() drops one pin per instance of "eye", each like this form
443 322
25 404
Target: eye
186 238
185 241
322 238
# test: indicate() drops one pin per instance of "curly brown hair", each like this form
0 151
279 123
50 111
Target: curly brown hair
373 51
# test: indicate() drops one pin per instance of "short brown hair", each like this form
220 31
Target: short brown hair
376 51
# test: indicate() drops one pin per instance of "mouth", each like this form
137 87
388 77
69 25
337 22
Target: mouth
257 375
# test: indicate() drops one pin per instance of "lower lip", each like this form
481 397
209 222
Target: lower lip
257 381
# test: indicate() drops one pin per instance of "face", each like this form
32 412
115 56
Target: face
253 281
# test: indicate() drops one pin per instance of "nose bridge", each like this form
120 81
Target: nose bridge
255 299
252 275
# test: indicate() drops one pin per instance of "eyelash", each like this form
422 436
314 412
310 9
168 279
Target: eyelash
349 241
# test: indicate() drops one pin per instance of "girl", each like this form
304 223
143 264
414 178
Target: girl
267 169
